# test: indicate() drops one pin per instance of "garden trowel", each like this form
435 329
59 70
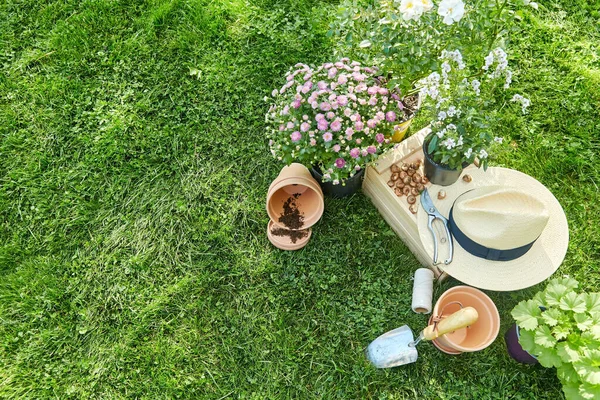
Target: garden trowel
398 346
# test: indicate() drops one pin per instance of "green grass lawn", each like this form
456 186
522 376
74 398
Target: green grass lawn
133 172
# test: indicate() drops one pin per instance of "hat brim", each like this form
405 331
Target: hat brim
541 261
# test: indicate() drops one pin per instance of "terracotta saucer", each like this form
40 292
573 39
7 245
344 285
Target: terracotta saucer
285 242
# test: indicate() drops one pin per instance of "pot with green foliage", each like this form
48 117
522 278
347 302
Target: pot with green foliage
565 335
463 112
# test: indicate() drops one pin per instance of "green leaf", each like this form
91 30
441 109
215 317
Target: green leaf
548 358
588 367
567 281
572 391
544 337
526 340
567 352
588 391
525 314
561 331
572 302
584 322
432 144
552 316
592 302
566 373
590 340
595 328
554 293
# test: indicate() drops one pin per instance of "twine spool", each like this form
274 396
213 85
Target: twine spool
422 291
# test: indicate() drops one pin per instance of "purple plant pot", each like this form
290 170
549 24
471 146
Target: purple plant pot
514 347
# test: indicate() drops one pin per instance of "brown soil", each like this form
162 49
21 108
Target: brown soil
293 235
291 217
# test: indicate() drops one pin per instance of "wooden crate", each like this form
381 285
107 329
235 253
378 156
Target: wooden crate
395 209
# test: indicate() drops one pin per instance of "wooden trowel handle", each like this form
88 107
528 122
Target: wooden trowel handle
463 317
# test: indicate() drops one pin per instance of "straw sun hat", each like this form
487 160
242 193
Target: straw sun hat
509 231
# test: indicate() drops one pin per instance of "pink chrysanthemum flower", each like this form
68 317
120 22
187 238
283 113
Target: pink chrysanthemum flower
296 136
336 125
328 137
340 163
380 138
355 152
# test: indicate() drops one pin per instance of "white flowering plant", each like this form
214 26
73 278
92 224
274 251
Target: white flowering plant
406 37
335 117
461 109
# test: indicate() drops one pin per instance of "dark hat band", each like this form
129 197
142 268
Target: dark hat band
481 251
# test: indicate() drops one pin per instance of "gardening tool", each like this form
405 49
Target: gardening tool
434 214
398 346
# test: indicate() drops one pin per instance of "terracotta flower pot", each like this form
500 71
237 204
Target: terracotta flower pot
472 338
295 185
285 239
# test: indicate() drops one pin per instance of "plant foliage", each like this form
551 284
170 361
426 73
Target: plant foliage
566 335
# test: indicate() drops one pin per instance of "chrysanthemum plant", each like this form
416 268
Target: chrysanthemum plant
561 328
334 117
406 37
462 110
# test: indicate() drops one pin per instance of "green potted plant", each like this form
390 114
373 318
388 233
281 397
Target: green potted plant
406 37
463 111
333 119
564 333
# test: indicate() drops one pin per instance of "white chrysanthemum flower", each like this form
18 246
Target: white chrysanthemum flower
460 141
483 154
498 139
468 153
442 115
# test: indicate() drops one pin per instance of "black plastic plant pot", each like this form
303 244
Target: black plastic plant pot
514 347
350 186
436 173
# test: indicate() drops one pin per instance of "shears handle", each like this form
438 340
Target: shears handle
435 241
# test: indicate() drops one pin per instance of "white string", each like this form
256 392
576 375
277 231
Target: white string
422 291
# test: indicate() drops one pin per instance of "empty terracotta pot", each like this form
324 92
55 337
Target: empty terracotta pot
295 181
472 338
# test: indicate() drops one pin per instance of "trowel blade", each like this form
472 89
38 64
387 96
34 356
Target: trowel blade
392 348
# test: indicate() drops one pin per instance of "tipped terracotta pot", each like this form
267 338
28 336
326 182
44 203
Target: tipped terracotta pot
295 181
286 239
472 338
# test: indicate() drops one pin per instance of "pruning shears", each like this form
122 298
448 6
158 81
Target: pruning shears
434 214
